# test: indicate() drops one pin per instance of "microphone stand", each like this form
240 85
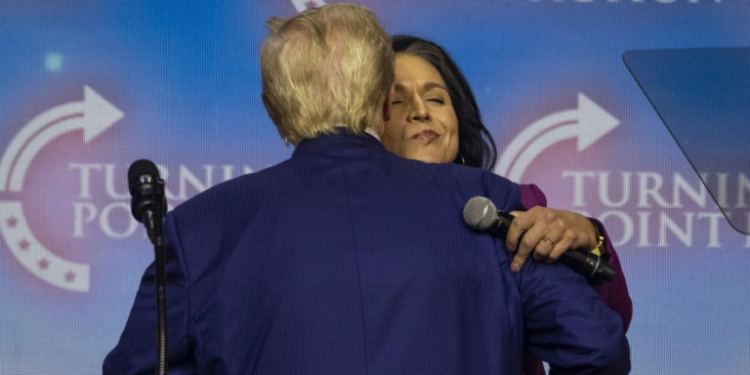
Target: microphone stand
155 228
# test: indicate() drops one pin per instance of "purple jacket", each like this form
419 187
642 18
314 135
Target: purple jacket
614 293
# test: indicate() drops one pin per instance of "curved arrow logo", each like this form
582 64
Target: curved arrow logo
587 123
93 115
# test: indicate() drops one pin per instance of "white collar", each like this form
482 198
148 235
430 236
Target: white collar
372 132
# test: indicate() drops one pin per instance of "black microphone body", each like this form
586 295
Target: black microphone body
481 215
148 204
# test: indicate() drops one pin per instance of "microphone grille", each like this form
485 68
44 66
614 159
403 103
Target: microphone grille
140 168
480 213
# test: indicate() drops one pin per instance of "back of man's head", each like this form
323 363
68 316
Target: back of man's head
326 67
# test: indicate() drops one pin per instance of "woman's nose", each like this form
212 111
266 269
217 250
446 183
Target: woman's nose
419 110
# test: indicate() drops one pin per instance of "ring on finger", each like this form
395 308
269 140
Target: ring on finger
549 241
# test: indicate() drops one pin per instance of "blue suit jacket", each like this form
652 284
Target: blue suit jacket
347 259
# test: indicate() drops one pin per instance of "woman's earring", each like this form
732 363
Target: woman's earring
463 161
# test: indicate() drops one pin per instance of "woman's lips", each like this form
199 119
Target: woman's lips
426 136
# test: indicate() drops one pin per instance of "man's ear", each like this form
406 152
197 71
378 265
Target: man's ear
387 107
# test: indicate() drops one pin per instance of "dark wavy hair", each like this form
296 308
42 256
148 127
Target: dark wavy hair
475 145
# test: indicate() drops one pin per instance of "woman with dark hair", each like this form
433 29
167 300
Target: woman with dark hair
435 119
475 145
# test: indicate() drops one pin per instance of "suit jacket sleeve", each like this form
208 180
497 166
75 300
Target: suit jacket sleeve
567 325
614 293
136 351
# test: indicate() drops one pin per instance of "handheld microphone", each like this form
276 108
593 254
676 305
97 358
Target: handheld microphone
147 189
481 215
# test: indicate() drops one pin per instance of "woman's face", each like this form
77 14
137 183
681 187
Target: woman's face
423 124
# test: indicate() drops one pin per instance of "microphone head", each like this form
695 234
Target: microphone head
480 213
138 169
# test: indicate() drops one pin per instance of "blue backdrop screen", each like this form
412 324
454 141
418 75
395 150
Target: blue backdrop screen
90 86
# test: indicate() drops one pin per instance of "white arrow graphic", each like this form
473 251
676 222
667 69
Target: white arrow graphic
588 123
93 115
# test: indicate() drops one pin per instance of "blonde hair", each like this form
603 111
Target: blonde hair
326 67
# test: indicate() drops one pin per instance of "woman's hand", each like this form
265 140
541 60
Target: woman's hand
548 233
